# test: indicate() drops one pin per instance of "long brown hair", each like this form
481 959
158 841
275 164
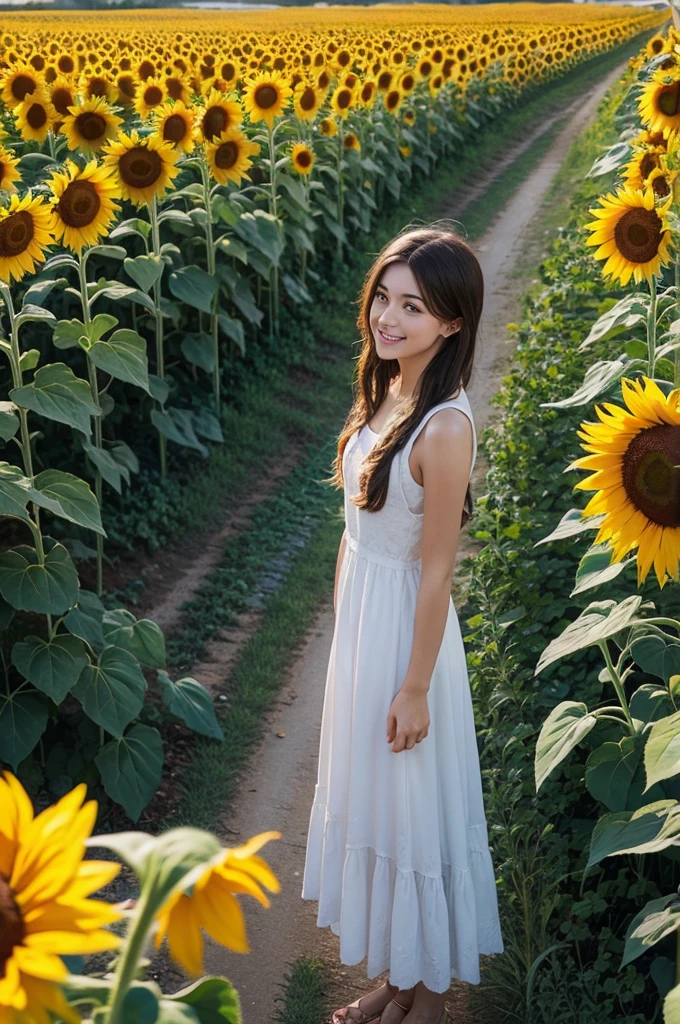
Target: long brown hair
450 280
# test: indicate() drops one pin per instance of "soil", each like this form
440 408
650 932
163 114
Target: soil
277 786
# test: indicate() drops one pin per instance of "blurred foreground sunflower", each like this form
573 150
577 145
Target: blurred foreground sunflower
635 459
8 171
632 235
45 911
212 905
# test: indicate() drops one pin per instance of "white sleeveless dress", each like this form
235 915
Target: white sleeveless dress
397 850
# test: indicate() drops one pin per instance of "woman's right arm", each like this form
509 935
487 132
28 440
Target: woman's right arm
341 552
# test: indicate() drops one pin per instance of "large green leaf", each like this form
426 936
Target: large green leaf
14 491
9 421
131 768
623 315
86 620
610 161
600 620
191 702
193 286
596 568
23 720
213 1000
650 702
647 829
117 290
53 667
662 750
58 394
233 329
563 729
177 426
50 587
262 231
112 470
142 638
112 691
145 271
656 656
199 349
69 497
659 917
123 355
610 769
598 380
207 424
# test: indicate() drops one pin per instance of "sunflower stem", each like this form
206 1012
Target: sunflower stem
618 685
212 263
651 327
274 273
94 389
160 362
676 354
130 955
341 194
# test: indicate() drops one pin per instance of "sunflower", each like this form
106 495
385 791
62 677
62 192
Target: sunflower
659 103
409 116
341 100
306 101
645 160
350 141
265 96
218 115
405 151
302 158
8 171
393 99
229 156
83 204
635 456
92 85
328 127
212 905
25 234
18 84
90 125
367 93
145 166
631 234
35 116
45 909
175 123
150 95
62 95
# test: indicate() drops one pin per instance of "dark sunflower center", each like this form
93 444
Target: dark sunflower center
22 86
140 167
392 99
174 87
66 64
62 99
153 96
308 99
97 87
79 204
661 186
668 100
649 162
304 159
638 235
266 96
215 121
90 126
651 473
16 234
175 128
344 98
12 929
36 116
226 155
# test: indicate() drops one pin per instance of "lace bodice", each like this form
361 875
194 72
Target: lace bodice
392 535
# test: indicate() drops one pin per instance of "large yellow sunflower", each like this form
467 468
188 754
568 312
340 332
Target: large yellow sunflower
265 96
213 906
635 456
45 910
18 83
35 116
229 156
145 166
25 234
83 203
90 125
8 171
306 100
341 100
218 115
302 158
659 102
175 123
631 234
149 96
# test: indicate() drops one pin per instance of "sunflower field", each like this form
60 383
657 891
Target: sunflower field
171 195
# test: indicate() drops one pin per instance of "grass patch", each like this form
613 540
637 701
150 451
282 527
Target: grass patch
303 998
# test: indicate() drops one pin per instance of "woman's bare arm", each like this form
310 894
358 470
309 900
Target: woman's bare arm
341 552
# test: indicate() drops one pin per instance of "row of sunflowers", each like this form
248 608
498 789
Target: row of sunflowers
142 241
632 462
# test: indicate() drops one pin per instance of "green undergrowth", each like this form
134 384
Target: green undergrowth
563 933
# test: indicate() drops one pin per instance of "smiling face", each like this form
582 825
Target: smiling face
402 325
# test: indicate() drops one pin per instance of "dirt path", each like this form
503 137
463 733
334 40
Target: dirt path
277 789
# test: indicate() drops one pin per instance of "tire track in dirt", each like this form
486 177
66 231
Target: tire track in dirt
278 784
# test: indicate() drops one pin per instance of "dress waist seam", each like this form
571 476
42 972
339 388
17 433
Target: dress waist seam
363 551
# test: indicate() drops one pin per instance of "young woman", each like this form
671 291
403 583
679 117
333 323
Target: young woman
397 851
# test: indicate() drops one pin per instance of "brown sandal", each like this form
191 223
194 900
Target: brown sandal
346 1019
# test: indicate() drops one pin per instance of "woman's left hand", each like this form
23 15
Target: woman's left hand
408 720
